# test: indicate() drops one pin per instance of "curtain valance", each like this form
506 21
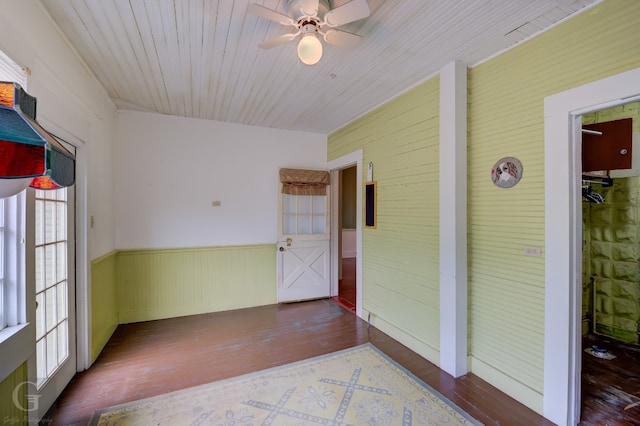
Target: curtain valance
304 182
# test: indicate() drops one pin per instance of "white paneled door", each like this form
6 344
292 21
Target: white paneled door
303 248
55 293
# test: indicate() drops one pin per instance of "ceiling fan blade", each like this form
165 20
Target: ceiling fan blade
309 7
277 41
341 38
348 12
272 15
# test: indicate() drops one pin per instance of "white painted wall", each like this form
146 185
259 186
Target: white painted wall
170 169
349 243
72 104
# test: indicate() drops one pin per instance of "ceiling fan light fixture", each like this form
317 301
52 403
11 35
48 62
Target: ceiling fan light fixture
309 49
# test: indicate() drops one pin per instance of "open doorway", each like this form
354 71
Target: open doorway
563 236
351 268
610 274
347 227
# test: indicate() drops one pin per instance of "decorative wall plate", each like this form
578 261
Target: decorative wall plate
506 172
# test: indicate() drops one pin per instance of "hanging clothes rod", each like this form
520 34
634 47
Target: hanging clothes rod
603 182
592 132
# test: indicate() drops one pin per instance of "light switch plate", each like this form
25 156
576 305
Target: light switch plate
532 251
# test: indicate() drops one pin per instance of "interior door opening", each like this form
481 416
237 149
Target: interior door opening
347 233
610 297
563 236
355 160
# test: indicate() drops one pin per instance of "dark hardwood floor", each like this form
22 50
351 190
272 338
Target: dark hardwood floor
347 284
610 386
147 359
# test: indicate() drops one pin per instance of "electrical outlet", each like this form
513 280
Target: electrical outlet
532 251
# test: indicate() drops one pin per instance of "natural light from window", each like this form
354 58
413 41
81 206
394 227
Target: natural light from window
52 325
11 228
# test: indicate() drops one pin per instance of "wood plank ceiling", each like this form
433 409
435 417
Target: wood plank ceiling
200 58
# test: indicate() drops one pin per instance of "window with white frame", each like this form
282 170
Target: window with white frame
12 279
12 228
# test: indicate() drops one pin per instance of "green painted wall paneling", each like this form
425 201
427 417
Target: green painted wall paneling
155 284
506 96
611 234
10 413
104 304
401 256
505 118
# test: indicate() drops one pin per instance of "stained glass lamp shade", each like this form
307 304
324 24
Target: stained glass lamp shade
29 155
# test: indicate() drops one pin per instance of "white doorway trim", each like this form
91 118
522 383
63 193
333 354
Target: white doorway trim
349 160
83 275
563 234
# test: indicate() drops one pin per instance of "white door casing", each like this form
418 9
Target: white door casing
354 158
563 223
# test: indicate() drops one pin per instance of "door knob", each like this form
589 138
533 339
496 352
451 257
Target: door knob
281 248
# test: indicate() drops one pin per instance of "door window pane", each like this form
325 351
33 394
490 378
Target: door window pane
52 326
63 336
319 204
289 224
304 214
49 266
304 204
39 228
50 313
304 224
40 321
288 204
319 223
40 269
52 352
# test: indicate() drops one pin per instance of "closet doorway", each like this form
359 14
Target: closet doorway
563 112
610 272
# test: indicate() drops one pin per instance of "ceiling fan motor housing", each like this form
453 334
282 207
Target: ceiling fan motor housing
308 26
295 10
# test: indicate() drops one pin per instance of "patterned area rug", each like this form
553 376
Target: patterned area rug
357 386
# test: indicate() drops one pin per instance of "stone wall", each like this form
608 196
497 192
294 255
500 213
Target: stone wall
611 272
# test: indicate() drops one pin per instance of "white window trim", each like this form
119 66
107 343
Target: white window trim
16 347
16 340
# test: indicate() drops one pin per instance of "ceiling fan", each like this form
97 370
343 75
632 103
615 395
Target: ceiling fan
311 18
